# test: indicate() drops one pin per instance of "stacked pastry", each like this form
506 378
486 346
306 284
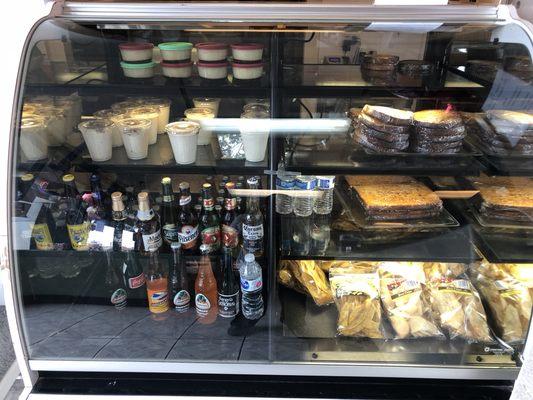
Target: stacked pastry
383 129
503 132
385 201
437 131
379 63
483 69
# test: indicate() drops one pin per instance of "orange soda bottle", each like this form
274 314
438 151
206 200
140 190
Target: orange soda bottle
156 285
205 287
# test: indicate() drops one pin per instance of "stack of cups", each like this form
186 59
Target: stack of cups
176 59
137 59
212 60
183 137
247 60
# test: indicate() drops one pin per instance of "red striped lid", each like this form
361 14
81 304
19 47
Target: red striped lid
176 65
247 46
212 65
135 46
241 65
211 46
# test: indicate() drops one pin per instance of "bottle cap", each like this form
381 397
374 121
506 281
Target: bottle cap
184 186
117 203
252 181
230 185
175 245
166 180
27 177
204 249
95 178
66 178
249 258
206 186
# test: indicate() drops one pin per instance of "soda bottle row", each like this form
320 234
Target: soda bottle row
304 206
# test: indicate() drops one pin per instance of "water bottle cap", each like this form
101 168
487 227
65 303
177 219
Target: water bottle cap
175 245
249 258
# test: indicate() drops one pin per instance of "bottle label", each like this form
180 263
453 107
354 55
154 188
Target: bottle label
326 182
188 236
136 282
185 200
284 183
230 237
211 237
203 305
42 237
228 305
78 235
305 184
230 203
252 232
182 300
158 301
170 233
209 203
152 241
119 298
168 198
251 285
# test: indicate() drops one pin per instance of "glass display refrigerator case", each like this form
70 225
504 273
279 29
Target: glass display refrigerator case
275 200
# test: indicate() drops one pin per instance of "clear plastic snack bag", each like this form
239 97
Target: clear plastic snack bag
306 277
403 293
356 292
456 303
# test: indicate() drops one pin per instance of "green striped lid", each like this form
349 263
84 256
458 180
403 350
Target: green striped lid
127 65
175 46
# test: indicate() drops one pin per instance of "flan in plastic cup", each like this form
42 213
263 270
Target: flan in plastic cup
199 115
213 70
175 51
136 52
135 137
183 137
138 71
150 113
98 136
181 70
212 51
247 51
247 71
207 102
33 138
114 116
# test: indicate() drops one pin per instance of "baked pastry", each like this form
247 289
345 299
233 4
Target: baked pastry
510 119
380 59
436 119
378 125
389 115
361 180
437 131
366 136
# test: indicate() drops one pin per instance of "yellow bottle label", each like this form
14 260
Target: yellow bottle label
43 238
78 235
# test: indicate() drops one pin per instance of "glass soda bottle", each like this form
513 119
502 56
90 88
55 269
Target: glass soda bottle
205 287
187 222
252 223
114 284
251 287
230 220
209 221
156 285
134 276
178 281
169 218
228 293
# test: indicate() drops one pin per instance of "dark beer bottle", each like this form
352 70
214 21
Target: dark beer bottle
230 220
77 224
228 294
114 284
40 211
187 222
100 201
134 276
147 226
169 219
121 223
209 221
178 281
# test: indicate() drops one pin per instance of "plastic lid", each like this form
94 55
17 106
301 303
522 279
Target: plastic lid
211 46
175 46
135 123
68 178
135 46
252 114
149 111
126 65
183 128
184 185
107 113
27 177
175 245
199 112
177 64
218 64
96 124
166 180
242 65
247 46
249 258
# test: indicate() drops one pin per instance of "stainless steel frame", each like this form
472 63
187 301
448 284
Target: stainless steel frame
242 13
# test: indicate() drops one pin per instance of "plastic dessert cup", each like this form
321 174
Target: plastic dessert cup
98 136
136 52
34 138
198 115
247 71
183 137
57 128
126 105
256 107
135 137
175 51
164 111
218 70
114 116
177 70
142 70
206 102
150 113
254 135
247 51
212 51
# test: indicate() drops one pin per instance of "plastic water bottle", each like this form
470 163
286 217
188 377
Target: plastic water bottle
324 204
251 287
320 234
303 206
284 202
